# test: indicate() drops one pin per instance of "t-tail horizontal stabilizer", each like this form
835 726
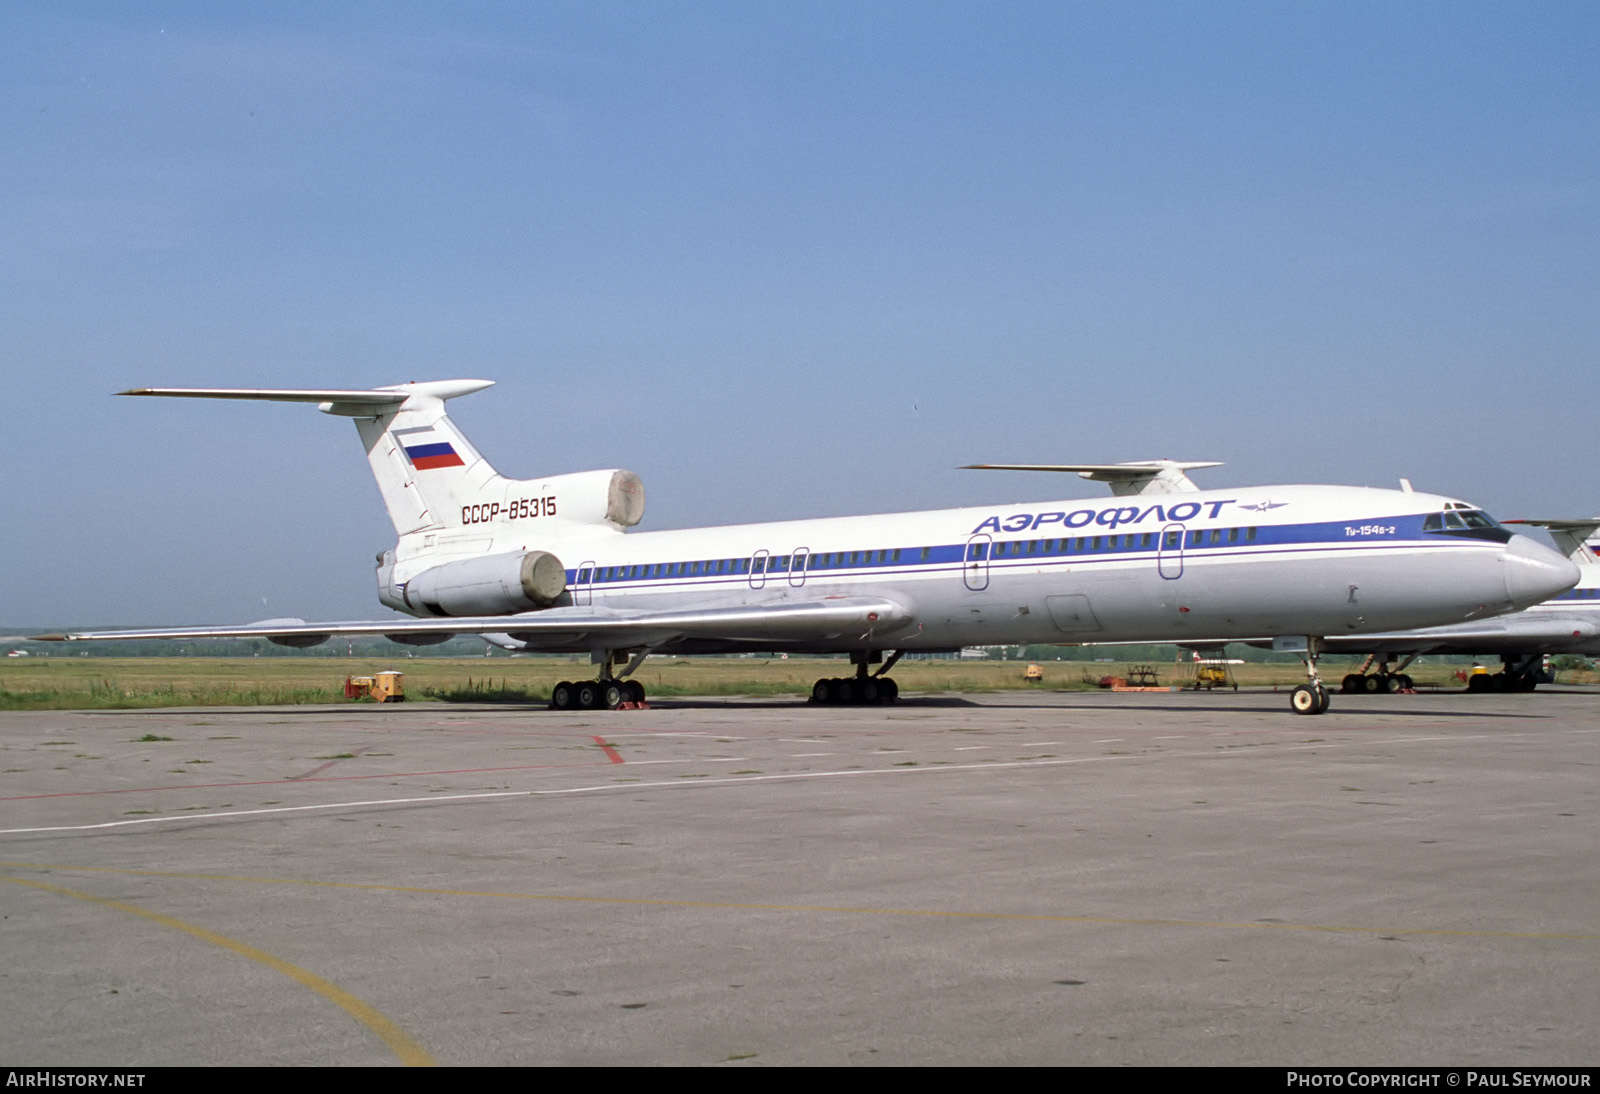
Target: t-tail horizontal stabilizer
427 472
431 477
341 401
1137 477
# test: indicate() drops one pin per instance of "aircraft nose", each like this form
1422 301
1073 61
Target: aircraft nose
1534 572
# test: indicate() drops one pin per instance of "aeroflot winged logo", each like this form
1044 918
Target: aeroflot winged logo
427 450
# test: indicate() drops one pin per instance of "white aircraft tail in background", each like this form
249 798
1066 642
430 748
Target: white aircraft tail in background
1577 539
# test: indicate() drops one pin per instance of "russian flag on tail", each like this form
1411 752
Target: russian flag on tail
428 450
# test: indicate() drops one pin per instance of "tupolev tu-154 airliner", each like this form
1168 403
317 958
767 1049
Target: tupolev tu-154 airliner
549 565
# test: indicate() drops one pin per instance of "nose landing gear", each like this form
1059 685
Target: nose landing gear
1312 697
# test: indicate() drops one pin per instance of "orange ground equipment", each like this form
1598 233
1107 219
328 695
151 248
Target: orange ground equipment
383 687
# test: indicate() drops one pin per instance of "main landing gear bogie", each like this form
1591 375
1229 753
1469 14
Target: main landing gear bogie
865 688
1382 673
1377 683
1502 681
596 694
855 691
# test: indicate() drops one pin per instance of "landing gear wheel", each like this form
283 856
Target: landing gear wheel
1406 683
563 696
891 690
588 695
1308 699
1372 684
847 691
612 695
1351 683
1389 684
871 692
821 692
635 691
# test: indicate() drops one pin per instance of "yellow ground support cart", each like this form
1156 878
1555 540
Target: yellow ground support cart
385 687
1209 673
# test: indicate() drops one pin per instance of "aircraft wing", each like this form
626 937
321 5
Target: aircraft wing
571 628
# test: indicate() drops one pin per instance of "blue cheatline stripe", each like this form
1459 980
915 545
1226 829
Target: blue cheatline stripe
1108 546
423 451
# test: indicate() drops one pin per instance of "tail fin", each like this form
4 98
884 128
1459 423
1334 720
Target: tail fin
427 472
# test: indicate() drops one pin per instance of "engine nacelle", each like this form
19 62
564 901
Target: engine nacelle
405 639
294 641
595 497
298 641
495 585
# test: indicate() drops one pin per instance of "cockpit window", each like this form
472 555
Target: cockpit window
1466 523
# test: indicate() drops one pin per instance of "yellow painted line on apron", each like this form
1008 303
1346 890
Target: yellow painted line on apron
825 909
411 1054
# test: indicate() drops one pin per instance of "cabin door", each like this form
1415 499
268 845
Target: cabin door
975 567
1169 555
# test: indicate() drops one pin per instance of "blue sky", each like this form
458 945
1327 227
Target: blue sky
780 259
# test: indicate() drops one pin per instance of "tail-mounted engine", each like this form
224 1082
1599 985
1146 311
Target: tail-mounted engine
495 585
593 497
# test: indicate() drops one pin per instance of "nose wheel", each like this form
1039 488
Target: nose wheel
1311 697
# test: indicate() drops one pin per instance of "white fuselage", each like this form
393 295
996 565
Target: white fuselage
1205 565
